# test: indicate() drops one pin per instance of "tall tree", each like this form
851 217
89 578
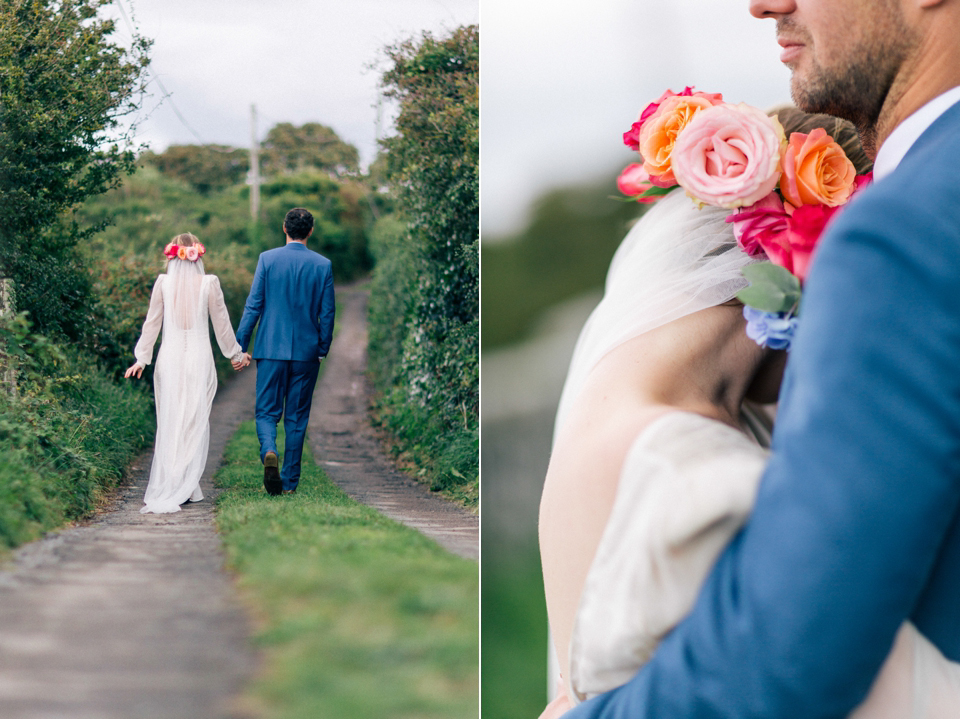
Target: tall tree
205 167
64 88
312 146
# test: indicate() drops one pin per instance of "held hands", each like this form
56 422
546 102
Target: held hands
242 362
134 369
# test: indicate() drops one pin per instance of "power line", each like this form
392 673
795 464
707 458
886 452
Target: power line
166 93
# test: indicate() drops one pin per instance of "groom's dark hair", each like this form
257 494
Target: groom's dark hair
298 223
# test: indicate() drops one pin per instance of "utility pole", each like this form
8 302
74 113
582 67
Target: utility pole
254 166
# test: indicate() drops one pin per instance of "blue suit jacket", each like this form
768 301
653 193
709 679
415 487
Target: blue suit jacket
856 526
292 298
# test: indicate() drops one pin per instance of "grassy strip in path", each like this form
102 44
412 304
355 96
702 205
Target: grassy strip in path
361 616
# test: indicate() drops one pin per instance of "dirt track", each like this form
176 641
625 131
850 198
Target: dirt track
345 446
131 616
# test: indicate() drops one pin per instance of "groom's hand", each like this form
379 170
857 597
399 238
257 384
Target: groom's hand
242 362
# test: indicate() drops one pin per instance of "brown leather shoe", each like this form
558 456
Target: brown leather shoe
271 474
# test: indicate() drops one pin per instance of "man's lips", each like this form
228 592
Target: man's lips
791 49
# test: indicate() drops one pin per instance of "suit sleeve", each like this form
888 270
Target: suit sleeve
328 308
253 307
801 609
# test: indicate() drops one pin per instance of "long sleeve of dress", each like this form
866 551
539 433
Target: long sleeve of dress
221 322
151 326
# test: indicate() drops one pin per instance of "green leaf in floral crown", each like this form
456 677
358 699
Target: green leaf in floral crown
772 288
654 191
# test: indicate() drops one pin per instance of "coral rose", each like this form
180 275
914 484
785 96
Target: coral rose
659 132
193 254
634 181
729 155
182 253
201 249
816 171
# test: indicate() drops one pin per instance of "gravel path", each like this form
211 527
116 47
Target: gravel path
345 446
131 616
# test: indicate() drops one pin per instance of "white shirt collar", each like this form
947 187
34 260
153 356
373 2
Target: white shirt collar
907 132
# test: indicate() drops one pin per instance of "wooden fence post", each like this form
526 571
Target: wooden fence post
8 367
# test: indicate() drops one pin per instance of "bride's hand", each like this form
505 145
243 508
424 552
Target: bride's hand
135 369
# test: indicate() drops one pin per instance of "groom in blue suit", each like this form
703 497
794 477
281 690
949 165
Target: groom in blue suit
292 300
856 528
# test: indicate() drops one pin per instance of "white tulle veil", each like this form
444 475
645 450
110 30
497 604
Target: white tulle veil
676 260
184 280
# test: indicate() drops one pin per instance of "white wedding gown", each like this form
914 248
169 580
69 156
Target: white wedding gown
185 379
688 483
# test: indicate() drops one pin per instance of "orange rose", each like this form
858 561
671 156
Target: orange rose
659 133
182 253
816 171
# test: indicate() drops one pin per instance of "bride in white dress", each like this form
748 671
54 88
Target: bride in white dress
185 379
651 473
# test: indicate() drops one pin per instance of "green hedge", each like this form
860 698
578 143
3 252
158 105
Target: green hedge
424 301
65 436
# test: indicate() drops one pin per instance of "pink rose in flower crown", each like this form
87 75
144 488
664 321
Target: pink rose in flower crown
762 219
729 155
193 254
181 253
201 250
170 251
634 181
816 170
659 132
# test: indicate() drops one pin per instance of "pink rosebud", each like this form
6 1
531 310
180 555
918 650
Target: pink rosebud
193 254
729 155
631 136
634 181
750 224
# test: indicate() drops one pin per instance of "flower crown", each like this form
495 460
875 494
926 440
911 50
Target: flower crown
181 252
782 192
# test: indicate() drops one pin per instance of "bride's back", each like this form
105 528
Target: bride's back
701 363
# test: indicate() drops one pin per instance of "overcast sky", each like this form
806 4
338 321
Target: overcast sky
562 80
298 60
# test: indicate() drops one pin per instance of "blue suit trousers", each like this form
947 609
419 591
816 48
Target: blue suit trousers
285 387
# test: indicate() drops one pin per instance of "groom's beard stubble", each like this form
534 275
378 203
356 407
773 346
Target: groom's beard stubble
857 86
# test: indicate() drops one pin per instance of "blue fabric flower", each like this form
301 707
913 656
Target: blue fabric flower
770 329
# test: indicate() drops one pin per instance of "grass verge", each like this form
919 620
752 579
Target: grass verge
514 634
360 616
